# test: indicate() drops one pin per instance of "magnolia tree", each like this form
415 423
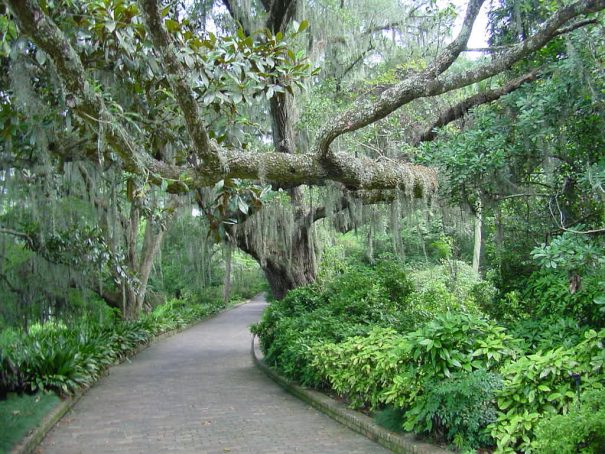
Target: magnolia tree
163 99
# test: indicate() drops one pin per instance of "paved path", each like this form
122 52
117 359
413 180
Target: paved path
199 392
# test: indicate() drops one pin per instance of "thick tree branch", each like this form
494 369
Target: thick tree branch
449 55
431 81
459 110
561 31
291 169
549 30
178 79
82 98
298 169
22 235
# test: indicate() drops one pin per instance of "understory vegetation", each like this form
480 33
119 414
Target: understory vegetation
61 357
446 356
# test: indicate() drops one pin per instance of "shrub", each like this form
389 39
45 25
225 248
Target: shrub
293 340
458 408
547 333
542 384
361 368
448 344
450 287
547 293
580 430
61 358
385 367
348 306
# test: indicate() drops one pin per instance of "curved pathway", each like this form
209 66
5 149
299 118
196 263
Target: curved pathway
199 392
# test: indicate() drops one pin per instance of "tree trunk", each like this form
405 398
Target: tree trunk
477 242
284 276
140 265
285 269
370 248
227 279
130 309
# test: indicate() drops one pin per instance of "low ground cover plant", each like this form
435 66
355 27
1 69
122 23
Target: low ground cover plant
63 357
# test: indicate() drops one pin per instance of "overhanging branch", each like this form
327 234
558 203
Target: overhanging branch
177 77
433 81
82 98
459 110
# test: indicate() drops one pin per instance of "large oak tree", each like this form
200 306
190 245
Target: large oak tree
175 76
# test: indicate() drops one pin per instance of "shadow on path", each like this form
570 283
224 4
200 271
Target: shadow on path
199 392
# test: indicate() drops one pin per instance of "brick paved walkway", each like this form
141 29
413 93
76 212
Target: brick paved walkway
198 392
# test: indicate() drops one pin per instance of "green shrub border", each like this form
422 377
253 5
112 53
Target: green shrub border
356 421
31 441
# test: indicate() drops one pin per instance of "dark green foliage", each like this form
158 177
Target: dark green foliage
348 306
547 293
580 430
390 418
62 358
458 408
547 333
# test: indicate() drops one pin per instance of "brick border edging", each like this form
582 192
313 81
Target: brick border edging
31 441
399 443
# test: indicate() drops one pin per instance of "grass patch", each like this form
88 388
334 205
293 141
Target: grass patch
20 414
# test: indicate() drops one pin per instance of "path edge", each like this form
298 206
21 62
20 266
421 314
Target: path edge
356 421
31 441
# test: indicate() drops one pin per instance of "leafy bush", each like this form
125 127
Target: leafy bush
362 367
417 344
547 333
452 286
547 293
385 367
347 306
458 408
449 344
542 384
61 358
293 339
580 430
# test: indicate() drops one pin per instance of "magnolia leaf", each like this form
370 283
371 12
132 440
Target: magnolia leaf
303 26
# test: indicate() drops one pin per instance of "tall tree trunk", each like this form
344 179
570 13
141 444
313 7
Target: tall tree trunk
286 275
140 265
227 279
129 286
286 269
477 239
370 248
154 234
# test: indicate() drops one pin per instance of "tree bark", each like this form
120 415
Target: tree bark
477 236
287 273
285 269
227 278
